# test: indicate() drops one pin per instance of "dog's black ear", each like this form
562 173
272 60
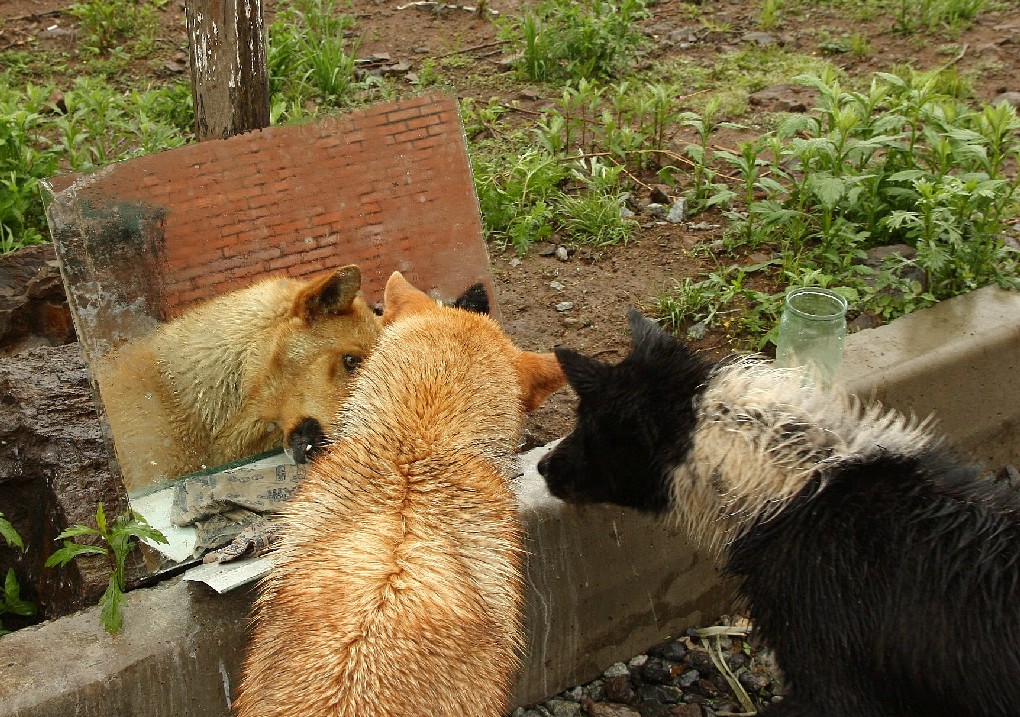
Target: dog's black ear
585 375
475 298
642 329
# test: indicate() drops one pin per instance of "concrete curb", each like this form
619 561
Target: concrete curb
604 583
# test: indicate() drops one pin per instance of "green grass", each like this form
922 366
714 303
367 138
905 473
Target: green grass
898 157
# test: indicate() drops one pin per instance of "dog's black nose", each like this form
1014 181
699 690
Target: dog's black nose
307 440
543 465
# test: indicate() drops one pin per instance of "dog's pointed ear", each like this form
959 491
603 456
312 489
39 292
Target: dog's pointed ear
642 329
402 299
475 298
330 294
584 374
539 375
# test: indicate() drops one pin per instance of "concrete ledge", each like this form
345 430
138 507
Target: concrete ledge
604 583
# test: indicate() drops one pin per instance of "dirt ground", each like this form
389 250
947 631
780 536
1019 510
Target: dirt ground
600 284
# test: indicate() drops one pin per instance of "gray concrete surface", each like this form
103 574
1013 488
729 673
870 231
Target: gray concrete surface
604 583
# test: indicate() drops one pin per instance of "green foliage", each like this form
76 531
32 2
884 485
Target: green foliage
26 157
914 15
308 57
899 163
566 40
105 24
120 539
11 602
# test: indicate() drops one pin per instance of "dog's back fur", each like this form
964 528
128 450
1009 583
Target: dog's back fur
397 590
885 575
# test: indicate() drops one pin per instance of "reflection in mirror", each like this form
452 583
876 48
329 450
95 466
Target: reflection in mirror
243 373
221 291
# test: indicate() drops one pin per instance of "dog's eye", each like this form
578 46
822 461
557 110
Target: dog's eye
351 362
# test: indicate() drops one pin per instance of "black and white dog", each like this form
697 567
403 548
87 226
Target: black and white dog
884 575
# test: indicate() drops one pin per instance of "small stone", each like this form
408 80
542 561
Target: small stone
556 286
678 211
761 39
606 709
562 253
656 210
618 688
864 320
688 678
879 254
530 94
660 693
696 332
687 710
653 708
717 247
656 670
659 194
636 663
574 694
545 248
175 66
564 306
617 669
1012 98
515 262
563 708
753 682
672 650
702 226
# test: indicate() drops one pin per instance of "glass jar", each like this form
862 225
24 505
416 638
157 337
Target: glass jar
811 333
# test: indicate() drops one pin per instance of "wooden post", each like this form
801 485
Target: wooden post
230 81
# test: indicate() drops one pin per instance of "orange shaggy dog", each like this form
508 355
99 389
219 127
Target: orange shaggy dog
245 372
397 590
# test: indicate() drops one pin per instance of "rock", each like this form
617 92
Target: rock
605 709
879 254
33 304
556 286
564 306
54 472
672 650
659 194
636 663
660 693
761 39
696 332
530 94
563 708
545 248
753 682
618 688
562 253
688 710
701 661
1012 98
617 669
717 247
515 261
656 670
688 678
656 210
653 708
678 211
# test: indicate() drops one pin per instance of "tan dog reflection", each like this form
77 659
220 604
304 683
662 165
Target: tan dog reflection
255 369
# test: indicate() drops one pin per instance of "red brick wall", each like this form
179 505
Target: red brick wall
388 187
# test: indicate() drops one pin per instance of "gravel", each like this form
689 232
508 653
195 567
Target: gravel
675 678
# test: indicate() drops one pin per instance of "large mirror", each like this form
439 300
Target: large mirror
224 292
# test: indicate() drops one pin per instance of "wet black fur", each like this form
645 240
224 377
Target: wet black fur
475 298
889 587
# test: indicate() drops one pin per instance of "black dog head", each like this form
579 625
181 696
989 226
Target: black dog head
634 421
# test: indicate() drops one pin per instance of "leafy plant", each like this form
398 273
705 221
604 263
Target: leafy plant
565 40
105 23
899 163
120 539
11 602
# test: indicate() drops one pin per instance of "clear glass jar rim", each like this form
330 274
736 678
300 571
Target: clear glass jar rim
839 300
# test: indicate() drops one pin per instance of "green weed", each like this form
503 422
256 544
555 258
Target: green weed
104 24
564 40
11 602
899 163
120 540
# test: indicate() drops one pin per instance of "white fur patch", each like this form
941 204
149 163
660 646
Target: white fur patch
762 432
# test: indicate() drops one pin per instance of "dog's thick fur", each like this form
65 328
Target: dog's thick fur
397 587
885 575
242 373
